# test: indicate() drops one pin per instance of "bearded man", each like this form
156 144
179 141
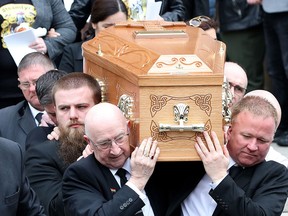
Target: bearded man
73 96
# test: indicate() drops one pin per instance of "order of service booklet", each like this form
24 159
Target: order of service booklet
18 44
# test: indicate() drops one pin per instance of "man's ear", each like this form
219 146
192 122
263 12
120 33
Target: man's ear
87 140
94 26
229 133
128 126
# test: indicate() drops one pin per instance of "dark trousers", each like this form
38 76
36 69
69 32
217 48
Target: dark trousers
276 37
247 48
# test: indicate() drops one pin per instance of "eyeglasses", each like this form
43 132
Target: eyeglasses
26 85
237 89
196 21
119 140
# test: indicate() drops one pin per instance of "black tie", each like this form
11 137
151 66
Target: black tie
38 117
234 171
122 174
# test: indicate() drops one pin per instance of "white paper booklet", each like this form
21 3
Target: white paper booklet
18 44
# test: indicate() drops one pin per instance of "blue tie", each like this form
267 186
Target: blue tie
38 117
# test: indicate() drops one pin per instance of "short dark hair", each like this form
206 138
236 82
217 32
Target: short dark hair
77 80
35 58
45 83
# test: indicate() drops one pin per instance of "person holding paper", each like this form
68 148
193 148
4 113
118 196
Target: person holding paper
48 14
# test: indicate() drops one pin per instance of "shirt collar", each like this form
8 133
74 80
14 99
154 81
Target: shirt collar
34 111
126 166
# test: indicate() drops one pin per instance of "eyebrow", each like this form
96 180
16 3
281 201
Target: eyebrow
109 139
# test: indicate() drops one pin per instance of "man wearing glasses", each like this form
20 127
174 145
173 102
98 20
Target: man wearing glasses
237 79
18 120
94 185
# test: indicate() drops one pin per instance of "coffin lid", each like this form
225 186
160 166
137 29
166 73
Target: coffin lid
167 51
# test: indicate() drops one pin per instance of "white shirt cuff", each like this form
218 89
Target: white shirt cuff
141 194
213 185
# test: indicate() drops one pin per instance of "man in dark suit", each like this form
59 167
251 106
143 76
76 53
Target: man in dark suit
17 197
44 87
73 95
93 184
238 180
18 120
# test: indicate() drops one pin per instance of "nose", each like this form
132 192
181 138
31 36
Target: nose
252 146
114 149
73 113
32 86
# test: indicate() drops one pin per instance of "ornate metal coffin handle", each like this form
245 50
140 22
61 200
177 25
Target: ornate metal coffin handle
181 112
226 101
125 104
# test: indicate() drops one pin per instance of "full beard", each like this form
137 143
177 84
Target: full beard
72 144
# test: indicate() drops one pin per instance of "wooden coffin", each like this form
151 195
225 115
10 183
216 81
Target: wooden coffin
166 77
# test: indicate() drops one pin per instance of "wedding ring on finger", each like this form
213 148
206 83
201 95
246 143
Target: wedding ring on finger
146 154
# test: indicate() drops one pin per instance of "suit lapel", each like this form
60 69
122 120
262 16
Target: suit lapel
112 184
242 180
244 177
26 121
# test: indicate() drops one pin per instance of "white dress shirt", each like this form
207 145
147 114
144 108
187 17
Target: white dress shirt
199 202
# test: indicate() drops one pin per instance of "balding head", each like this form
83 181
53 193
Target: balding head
236 74
237 78
271 98
103 116
107 133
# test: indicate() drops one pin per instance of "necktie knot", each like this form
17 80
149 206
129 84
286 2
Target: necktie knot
122 174
38 117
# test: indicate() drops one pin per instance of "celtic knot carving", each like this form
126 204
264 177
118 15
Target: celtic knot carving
204 102
157 102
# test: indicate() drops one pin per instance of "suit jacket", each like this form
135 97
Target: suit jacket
45 170
72 59
238 15
195 8
52 14
89 188
37 136
258 190
16 122
172 10
16 197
